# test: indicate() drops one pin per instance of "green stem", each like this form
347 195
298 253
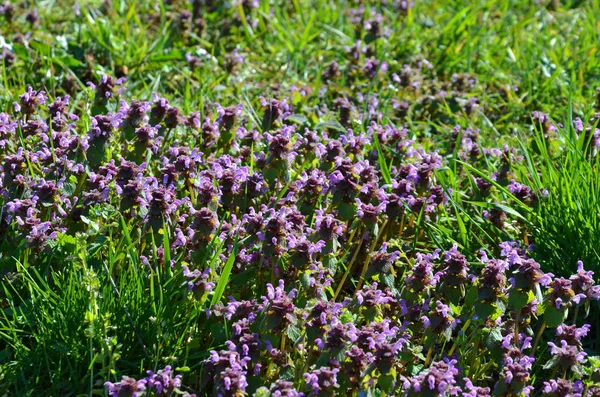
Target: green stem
343 280
367 259
429 353
463 329
517 319
538 336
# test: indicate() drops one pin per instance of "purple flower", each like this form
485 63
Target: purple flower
204 223
8 10
163 382
543 120
421 277
440 377
368 212
280 144
571 334
40 232
562 295
483 185
105 87
173 117
373 65
496 216
331 72
386 352
454 270
302 249
234 58
283 388
127 387
232 382
323 380
567 355
160 203
371 296
381 261
228 371
492 281
375 27
470 390
523 193
103 126
279 305
338 335
526 272
198 282
32 17
134 114
355 52
327 226
583 283
274 110
440 319
58 107
515 374
159 109
563 388
30 101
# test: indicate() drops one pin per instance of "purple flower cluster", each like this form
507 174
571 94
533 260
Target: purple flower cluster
162 383
345 233
340 303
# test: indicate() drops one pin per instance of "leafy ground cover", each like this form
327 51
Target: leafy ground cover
272 198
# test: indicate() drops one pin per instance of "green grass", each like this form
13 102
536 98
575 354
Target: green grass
567 222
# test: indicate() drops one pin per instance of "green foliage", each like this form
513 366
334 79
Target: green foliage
566 224
92 310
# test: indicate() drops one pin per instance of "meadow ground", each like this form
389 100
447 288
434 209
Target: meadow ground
286 198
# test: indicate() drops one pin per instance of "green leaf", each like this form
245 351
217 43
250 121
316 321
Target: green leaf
224 277
305 279
551 363
217 331
346 211
493 339
385 171
386 382
552 316
485 310
330 125
388 279
69 188
287 373
471 296
70 62
299 119
293 333
517 299
172 55
370 368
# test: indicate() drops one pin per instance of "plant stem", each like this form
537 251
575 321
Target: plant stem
367 259
343 280
517 319
575 315
429 353
463 329
538 336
